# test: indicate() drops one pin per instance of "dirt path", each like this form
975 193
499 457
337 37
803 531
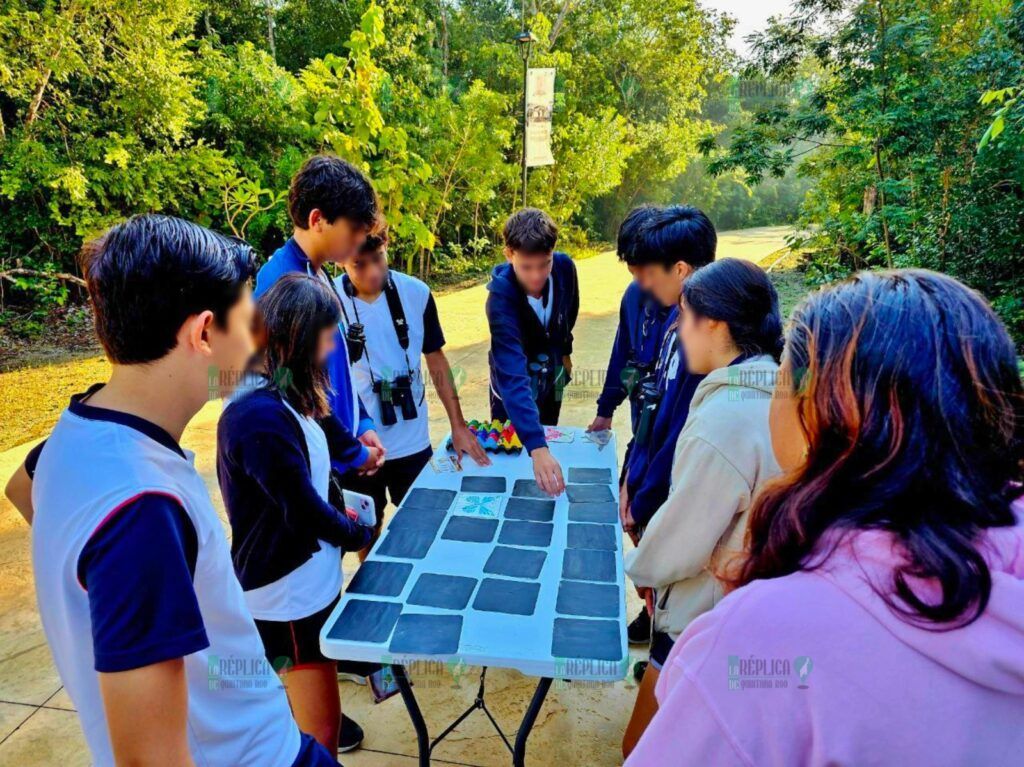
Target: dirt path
32 398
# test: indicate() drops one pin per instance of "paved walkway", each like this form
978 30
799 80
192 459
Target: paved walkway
579 724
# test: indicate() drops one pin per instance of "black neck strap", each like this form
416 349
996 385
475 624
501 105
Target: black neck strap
395 309
397 313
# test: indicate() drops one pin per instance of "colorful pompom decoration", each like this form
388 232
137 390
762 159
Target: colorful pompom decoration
495 436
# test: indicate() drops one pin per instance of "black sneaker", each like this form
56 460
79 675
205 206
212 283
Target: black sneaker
639 631
638 670
351 736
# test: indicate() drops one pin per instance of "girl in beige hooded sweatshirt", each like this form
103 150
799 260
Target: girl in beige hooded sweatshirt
731 330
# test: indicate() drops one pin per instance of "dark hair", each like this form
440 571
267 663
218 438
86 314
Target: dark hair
289 320
377 239
630 228
673 234
530 231
740 294
913 407
334 187
149 274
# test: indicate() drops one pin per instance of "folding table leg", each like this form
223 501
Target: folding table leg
418 723
519 754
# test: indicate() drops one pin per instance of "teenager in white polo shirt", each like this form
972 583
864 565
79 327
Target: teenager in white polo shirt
399 318
139 601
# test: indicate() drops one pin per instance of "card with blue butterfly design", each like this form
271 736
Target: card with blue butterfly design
486 505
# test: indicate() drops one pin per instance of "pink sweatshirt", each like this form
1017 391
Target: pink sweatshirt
814 669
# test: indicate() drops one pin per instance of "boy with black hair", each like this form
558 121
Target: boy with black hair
333 207
532 304
399 316
138 597
638 335
670 245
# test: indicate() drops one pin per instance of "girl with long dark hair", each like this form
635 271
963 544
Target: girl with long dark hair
274 464
880 614
731 331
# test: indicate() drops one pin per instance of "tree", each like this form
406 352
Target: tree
888 131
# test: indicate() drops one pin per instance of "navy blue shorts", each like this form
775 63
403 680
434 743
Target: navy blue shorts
312 754
661 646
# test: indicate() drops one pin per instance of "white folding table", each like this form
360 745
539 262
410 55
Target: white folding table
469 571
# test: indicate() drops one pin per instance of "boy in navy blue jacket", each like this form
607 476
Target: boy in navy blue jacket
532 304
638 336
670 245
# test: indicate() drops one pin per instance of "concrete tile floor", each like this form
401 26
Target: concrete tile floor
580 724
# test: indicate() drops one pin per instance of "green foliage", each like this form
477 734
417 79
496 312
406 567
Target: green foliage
205 108
899 95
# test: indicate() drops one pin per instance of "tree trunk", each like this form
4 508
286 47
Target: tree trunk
271 44
878 140
556 28
10 274
444 41
37 98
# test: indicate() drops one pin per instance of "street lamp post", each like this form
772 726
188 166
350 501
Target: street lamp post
524 40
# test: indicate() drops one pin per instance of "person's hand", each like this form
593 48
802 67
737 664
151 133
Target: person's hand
371 439
646 593
626 512
567 364
464 443
373 462
600 423
547 472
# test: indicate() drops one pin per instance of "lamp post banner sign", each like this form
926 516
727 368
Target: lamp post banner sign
540 101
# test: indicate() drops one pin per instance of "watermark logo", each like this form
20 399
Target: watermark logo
457 668
755 673
432 674
583 672
458 377
243 673
751 383
804 665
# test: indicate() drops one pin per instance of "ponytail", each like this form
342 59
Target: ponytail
740 294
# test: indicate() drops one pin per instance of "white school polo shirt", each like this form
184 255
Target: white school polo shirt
238 715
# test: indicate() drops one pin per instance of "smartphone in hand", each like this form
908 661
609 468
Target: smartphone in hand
360 508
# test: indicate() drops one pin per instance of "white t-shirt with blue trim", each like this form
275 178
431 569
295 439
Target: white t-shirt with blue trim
97 465
384 357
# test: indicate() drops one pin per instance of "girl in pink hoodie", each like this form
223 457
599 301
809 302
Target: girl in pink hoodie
880 618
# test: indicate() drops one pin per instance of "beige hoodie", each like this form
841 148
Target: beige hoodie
723 456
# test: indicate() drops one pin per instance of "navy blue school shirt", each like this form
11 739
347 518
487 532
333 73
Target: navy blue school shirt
637 339
277 516
288 259
650 464
517 337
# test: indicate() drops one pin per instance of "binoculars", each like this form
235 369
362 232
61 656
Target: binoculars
395 397
355 341
633 374
542 376
648 399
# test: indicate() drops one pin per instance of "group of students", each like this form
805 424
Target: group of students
844 500
203 651
843 497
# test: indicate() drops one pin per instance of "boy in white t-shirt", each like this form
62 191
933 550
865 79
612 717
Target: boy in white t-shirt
399 317
139 600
